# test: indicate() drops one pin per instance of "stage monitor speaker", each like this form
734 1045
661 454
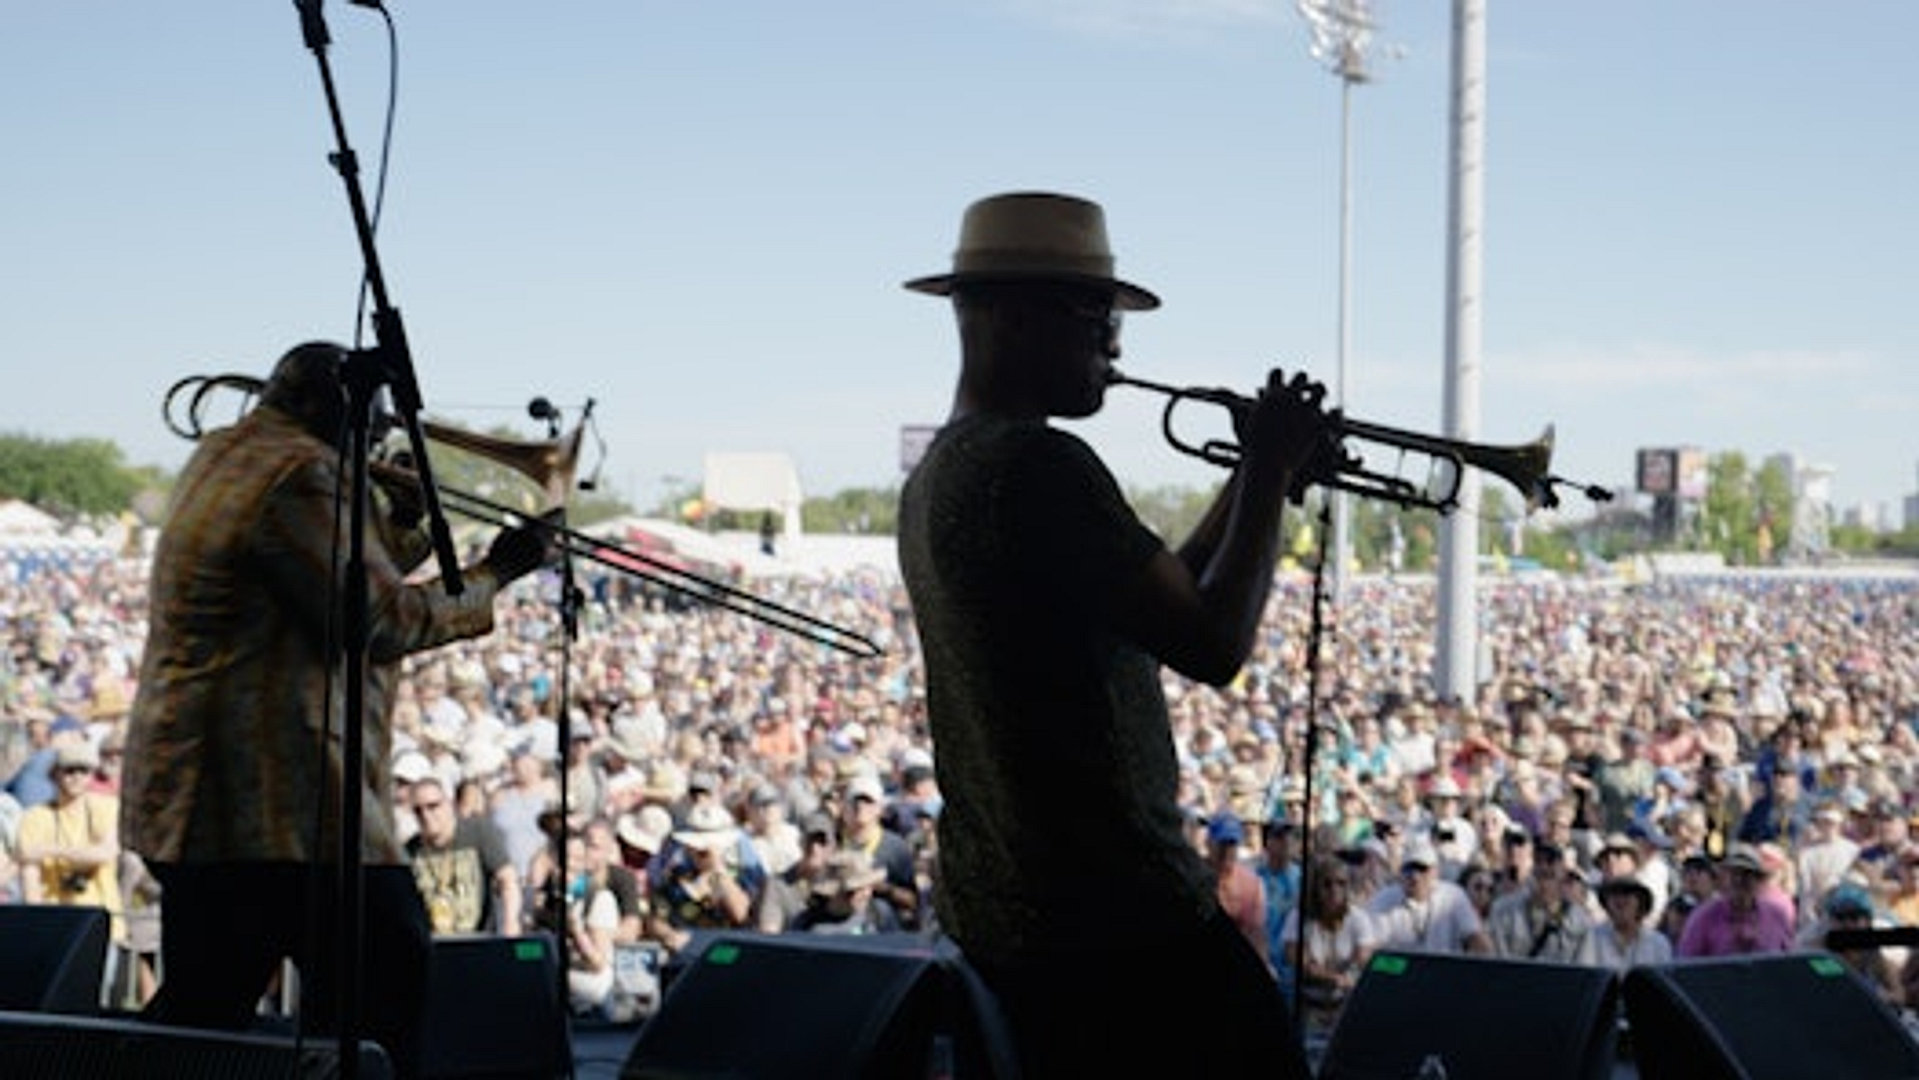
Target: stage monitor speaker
802 1006
1419 1014
1783 1015
52 959
494 1010
41 1044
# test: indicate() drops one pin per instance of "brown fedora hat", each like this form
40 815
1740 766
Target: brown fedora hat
1035 236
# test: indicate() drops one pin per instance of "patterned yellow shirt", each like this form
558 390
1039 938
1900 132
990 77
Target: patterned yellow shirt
224 751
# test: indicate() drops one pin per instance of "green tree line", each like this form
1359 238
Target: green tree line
73 478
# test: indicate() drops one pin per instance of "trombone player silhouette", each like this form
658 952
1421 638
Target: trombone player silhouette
231 792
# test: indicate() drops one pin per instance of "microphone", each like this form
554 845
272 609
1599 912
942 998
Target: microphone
592 483
312 24
541 409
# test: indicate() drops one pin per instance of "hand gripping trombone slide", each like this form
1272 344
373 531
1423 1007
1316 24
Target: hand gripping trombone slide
1526 466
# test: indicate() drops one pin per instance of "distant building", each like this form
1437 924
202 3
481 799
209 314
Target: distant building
1910 519
1874 517
1812 514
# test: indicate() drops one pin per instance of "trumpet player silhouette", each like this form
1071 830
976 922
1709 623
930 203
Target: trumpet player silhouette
229 755
1045 610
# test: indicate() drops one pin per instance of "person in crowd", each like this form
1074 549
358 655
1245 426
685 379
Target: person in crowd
1338 940
69 847
1848 906
585 784
1481 884
1453 833
1241 894
515 806
1785 752
775 838
592 925
1698 879
113 754
1513 871
1580 772
1782 814
843 899
1541 922
1045 610
1405 808
1674 916
605 870
1652 859
409 768
31 781
1424 911
140 951
225 767
1626 938
705 878
1624 780
862 830
642 834
1721 794
1279 875
1826 858
1735 921
1564 832
788 893
1902 894
461 865
1884 836
1618 856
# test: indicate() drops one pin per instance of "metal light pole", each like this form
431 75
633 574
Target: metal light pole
1456 662
1342 32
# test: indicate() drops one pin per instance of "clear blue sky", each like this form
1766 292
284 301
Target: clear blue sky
1701 220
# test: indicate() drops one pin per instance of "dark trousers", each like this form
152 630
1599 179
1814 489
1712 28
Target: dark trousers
225 928
1191 1003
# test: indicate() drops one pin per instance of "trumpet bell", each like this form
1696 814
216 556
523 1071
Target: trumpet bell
1527 467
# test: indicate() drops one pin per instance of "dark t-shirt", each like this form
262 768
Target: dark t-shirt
457 881
1061 822
624 884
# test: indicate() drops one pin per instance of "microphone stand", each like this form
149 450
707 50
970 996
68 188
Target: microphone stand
1308 765
388 364
571 600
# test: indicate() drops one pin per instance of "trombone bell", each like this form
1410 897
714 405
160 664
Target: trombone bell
549 463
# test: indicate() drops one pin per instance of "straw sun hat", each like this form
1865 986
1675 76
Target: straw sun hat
1035 236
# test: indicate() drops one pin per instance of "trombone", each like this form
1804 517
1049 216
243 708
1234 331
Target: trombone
1526 466
550 465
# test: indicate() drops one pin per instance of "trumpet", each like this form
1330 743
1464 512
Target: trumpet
550 465
1526 466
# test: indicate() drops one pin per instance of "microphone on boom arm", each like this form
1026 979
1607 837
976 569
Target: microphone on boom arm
542 409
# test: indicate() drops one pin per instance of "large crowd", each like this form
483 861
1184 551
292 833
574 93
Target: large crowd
1689 766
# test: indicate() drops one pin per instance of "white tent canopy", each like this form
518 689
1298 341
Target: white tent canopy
19 518
755 481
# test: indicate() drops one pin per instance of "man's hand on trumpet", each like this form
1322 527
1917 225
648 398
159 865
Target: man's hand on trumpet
1286 432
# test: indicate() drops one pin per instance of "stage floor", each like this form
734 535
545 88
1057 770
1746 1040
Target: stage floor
600 1050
